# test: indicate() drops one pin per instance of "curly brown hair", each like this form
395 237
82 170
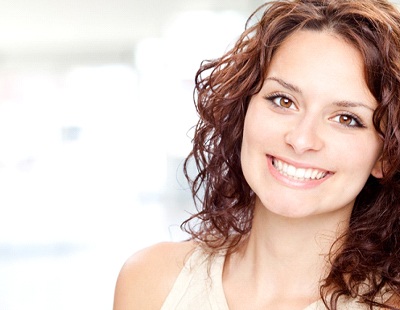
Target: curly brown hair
370 252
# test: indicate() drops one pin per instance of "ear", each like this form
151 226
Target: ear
377 169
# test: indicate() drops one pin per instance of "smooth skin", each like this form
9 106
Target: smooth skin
147 277
313 112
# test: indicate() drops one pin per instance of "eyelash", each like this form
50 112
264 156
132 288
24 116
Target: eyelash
355 118
271 98
359 124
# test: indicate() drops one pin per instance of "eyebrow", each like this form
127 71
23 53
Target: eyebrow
285 84
351 104
342 103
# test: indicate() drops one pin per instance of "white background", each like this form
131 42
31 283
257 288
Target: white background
95 117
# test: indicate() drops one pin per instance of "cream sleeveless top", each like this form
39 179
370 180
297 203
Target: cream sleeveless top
199 286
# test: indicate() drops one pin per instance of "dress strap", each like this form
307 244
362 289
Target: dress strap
199 284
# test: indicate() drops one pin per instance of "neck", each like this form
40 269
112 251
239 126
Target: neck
288 255
284 237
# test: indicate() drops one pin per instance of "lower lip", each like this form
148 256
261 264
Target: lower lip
290 182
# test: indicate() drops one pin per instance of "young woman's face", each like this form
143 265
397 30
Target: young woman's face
309 144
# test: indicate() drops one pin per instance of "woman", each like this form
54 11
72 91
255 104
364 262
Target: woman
298 155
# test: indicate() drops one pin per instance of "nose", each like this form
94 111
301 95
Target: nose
304 135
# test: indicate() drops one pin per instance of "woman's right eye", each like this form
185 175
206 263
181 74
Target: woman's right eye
282 102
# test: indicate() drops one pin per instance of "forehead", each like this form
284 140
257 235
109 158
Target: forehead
310 45
321 62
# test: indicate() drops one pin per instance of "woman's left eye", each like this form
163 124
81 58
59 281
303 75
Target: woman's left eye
348 120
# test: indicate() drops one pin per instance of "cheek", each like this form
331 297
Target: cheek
247 145
253 145
361 155
255 142
259 130
251 134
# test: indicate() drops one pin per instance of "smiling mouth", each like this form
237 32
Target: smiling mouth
302 174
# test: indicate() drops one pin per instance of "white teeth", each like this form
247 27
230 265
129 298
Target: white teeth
308 173
298 173
314 174
291 171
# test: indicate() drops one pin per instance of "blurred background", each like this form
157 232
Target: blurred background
95 120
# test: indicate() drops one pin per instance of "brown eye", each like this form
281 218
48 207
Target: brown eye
345 120
285 102
348 120
282 102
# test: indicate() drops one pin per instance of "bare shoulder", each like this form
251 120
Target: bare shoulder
147 276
